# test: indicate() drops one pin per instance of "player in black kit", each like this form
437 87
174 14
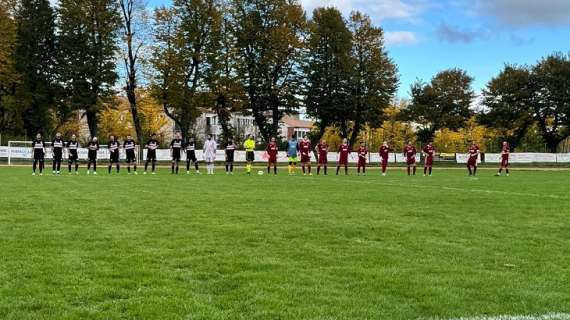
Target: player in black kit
39 150
57 146
113 146
191 155
129 146
72 156
230 150
175 148
151 146
92 148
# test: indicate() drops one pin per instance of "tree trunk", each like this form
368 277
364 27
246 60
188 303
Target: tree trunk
519 135
355 132
343 130
92 122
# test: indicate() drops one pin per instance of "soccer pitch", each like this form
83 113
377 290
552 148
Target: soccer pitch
281 247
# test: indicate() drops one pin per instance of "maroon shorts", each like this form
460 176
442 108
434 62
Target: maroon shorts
384 162
323 159
504 163
472 161
305 158
411 161
429 161
272 159
361 162
343 161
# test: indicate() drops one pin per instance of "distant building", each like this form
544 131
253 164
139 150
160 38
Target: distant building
208 123
293 126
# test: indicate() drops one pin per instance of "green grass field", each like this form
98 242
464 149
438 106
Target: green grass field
265 247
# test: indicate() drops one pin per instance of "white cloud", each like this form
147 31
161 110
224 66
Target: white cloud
526 12
377 9
394 38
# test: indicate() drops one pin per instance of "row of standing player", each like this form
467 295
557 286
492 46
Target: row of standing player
303 148
294 149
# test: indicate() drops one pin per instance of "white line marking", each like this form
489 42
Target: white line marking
547 316
508 193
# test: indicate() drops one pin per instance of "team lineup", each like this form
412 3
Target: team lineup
297 152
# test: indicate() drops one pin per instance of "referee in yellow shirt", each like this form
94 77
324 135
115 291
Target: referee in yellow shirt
249 146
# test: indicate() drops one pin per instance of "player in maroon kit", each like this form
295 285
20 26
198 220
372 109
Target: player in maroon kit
272 151
343 152
362 153
322 150
429 152
472 160
504 159
384 152
305 150
410 155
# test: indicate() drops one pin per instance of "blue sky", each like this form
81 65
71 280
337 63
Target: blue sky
480 36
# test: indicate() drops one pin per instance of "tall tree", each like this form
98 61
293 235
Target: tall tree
226 93
508 101
9 78
88 33
551 100
374 78
443 103
328 68
183 41
270 41
35 62
133 28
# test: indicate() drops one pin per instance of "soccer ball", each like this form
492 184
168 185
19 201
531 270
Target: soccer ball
260 172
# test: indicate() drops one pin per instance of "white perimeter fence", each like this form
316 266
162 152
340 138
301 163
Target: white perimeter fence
25 153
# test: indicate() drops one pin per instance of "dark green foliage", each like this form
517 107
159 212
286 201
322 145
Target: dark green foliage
36 65
328 68
88 48
551 98
270 43
443 103
508 101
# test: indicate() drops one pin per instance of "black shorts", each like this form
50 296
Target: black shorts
73 156
176 156
39 155
131 156
151 155
249 156
114 157
57 156
92 155
191 156
230 157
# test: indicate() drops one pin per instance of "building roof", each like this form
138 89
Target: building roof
296 123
